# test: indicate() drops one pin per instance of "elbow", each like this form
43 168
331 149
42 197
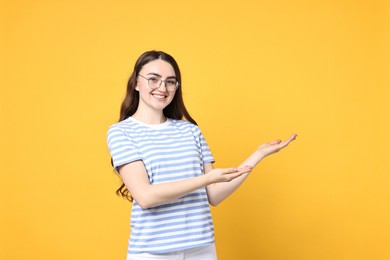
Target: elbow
213 203
145 199
212 197
148 201
143 202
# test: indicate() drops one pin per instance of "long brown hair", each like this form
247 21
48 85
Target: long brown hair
175 110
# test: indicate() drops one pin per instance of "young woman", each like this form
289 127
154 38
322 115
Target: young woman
167 168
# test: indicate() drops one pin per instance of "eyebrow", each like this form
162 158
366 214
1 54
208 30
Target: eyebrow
158 75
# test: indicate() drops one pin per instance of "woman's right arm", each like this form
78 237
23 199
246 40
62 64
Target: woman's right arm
147 195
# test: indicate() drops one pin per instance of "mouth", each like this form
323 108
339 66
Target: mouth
159 95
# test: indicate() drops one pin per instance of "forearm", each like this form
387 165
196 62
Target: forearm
253 159
147 195
217 192
158 194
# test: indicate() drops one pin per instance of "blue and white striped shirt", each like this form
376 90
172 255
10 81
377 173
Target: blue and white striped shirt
171 151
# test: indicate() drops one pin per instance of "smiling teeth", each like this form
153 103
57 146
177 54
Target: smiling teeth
159 96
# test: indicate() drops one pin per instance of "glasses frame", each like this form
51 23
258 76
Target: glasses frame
161 81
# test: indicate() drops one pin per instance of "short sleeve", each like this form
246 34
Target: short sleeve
207 156
122 148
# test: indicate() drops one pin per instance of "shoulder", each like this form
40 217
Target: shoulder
186 127
122 127
184 124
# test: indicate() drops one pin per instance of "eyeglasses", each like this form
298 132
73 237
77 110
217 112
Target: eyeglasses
171 84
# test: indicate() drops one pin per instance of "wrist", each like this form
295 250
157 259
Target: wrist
260 155
205 180
255 158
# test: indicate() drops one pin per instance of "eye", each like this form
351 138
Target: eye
171 82
154 80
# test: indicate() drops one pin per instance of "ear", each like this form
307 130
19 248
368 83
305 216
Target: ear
136 86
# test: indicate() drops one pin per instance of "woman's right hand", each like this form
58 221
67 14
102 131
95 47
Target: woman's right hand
226 174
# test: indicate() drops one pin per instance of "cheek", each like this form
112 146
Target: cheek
172 97
142 89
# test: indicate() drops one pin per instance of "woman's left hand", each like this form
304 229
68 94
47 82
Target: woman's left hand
274 146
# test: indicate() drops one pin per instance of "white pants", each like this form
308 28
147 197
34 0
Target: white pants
199 253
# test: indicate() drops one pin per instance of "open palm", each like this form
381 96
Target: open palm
274 146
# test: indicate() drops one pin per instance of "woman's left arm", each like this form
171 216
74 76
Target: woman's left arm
217 192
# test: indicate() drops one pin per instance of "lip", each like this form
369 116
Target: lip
159 96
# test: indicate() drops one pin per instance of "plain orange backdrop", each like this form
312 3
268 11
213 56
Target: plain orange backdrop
253 71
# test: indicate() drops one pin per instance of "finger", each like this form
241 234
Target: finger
285 143
232 176
292 138
229 170
275 142
246 168
244 171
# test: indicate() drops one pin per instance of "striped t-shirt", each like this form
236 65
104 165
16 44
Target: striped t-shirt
171 151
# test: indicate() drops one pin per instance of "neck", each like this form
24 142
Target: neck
150 118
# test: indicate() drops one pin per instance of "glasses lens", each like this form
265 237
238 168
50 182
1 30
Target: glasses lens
171 84
154 82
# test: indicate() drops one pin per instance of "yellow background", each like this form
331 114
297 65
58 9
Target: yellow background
253 71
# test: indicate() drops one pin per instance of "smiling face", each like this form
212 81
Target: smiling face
154 100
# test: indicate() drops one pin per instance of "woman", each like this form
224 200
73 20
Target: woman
167 167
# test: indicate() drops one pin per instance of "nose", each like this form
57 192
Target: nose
161 84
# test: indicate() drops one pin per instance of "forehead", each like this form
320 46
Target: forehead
160 67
